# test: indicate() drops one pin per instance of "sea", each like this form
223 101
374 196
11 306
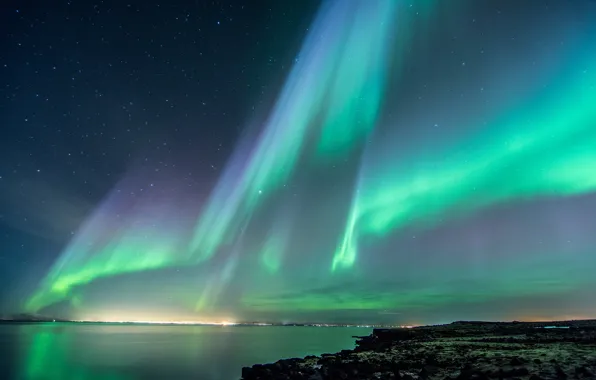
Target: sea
64 351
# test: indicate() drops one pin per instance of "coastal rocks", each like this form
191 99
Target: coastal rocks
462 351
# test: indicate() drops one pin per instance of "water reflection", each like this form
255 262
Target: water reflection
125 352
48 356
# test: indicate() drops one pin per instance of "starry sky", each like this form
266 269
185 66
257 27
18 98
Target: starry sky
380 161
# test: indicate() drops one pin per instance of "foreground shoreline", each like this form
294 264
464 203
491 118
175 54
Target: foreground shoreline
460 350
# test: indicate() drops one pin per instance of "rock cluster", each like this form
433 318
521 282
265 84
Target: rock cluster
461 350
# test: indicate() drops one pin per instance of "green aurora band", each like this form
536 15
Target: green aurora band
330 109
521 159
341 73
114 242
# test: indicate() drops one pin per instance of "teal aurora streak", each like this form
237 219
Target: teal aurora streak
522 158
329 110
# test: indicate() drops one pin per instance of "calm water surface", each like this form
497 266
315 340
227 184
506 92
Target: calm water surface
63 351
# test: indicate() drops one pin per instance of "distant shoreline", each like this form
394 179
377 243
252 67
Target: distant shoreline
252 324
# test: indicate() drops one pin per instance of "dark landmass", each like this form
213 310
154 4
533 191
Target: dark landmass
460 350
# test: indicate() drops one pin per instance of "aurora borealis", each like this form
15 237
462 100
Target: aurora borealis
419 162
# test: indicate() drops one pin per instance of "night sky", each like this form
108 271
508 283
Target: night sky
340 161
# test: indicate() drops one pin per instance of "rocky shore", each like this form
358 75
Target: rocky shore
461 350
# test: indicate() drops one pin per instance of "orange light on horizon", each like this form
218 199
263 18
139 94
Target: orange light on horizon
154 322
554 318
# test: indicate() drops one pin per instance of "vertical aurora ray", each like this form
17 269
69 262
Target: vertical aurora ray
340 75
216 282
361 73
544 147
277 242
271 252
347 250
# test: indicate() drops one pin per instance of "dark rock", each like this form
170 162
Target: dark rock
431 360
394 367
465 374
279 366
247 373
515 361
431 369
338 374
583 371
560 373
326 360
520 372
